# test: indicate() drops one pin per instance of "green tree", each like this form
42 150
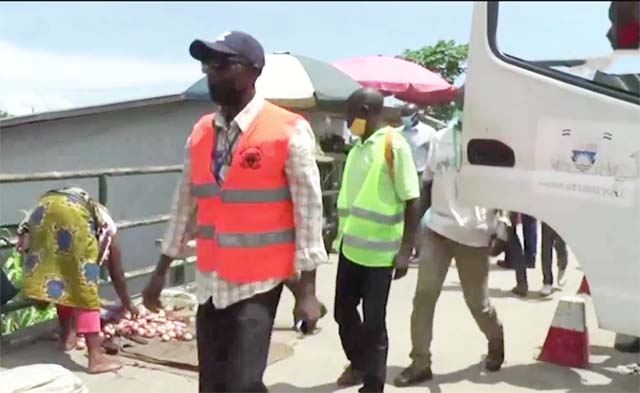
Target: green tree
4 114
445 58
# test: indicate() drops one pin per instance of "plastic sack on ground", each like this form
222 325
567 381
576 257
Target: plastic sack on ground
40 378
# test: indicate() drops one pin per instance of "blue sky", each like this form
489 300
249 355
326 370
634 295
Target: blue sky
75 54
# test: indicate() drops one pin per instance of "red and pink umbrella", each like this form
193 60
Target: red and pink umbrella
405 80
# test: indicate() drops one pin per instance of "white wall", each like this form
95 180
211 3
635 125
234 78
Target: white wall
153 135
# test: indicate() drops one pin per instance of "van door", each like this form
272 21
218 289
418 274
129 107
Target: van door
551 128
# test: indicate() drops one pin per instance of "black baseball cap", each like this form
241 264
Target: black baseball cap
230 43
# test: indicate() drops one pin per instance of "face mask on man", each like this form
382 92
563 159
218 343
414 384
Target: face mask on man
224 92
408 121
359 126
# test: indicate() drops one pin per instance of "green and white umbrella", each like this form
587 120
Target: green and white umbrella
297 82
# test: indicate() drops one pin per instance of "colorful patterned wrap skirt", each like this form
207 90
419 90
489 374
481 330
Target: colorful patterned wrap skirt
61 263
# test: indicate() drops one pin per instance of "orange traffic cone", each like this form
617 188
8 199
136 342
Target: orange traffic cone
584 287
567 342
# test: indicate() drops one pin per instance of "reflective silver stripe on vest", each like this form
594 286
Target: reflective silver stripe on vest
268 195
206 189
256 239
246 239
206 232
343 212
377 217
378 245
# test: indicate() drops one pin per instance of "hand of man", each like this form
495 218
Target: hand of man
401 264
496 246
151 293
308 310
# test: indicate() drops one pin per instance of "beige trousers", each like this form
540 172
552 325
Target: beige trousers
472 264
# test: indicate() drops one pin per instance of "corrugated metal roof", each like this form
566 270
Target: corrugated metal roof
90 110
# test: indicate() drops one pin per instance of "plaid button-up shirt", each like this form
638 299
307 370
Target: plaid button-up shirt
303 177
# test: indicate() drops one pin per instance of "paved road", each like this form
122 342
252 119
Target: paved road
458 348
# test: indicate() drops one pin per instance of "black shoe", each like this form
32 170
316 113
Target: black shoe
350 377
520 291
413 375
495 357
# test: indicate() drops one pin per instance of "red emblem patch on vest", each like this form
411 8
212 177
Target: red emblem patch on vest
251 158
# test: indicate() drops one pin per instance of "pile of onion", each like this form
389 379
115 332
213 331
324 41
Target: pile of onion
149 325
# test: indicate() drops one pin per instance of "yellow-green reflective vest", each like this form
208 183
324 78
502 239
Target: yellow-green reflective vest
370 230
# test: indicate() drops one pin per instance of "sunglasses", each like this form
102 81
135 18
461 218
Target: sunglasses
223 64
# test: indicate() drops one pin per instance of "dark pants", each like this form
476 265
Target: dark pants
551 240
517 261
233 343
530 235
364 342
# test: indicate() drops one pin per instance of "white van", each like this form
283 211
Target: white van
555 133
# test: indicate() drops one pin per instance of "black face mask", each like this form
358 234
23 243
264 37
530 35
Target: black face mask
224 92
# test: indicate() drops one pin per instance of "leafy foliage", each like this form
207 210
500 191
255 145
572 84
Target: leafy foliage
16 320
445 58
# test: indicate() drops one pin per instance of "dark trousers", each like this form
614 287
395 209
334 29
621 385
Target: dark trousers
551 240
233 343
517 260
364 342
530 236
521 256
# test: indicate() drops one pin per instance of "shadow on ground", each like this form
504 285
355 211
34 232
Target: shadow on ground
46 351
539 376
542 376
502 293
43 351
288 388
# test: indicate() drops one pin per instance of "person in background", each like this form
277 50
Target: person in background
550 240
64 240
624 32
468 234
418 135
250 195
378 221
515 255
530 235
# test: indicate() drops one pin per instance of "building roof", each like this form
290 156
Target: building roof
90 110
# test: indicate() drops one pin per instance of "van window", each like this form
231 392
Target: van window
595 45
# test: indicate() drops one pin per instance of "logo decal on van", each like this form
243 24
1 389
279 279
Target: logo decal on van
590 160
584 159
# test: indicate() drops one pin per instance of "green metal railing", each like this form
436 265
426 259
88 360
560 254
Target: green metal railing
102 176
330 170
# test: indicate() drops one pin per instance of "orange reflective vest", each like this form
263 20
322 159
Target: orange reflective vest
245 227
